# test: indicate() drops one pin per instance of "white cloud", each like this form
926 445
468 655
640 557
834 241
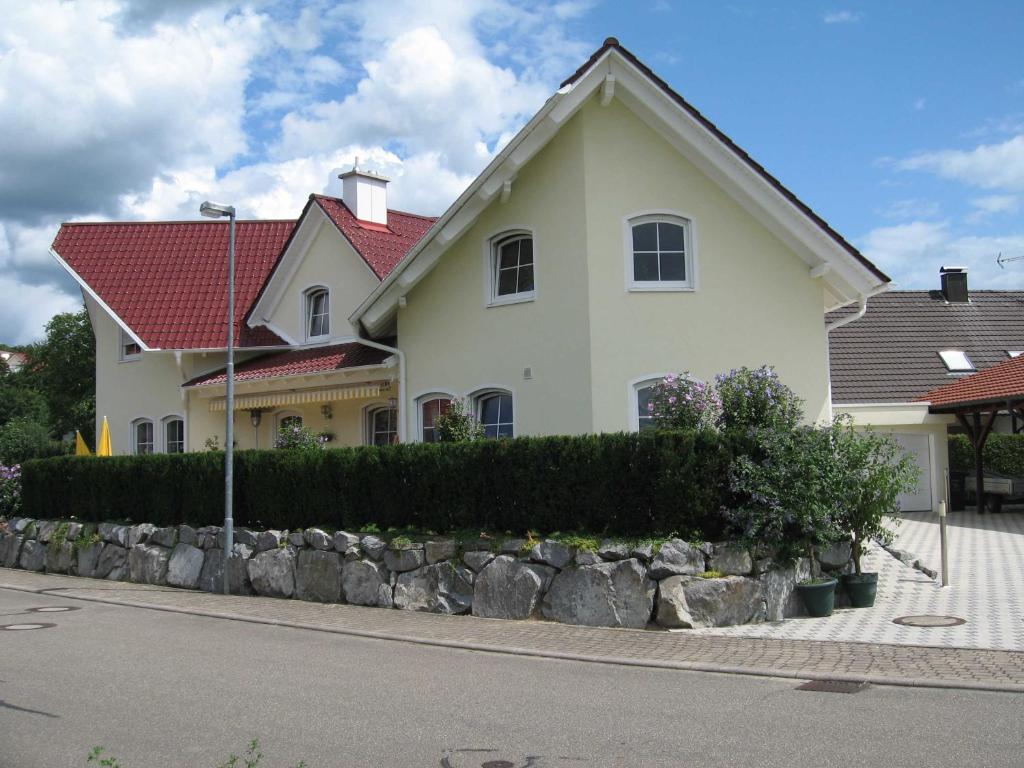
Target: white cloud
992 205
990 166
912 254
910 208
25 309
841 17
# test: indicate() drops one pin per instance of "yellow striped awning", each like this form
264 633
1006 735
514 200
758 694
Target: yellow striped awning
270 399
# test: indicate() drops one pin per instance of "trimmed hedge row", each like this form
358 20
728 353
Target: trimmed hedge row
624 484
1003 453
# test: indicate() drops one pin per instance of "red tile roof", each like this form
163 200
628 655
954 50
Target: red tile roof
168 280
612 42
298 362
999 383
382 247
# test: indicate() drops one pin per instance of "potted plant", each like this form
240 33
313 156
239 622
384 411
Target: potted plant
871 472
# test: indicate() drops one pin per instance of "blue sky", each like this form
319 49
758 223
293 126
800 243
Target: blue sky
901 123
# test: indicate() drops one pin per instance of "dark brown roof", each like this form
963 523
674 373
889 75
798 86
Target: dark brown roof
892 353
611 42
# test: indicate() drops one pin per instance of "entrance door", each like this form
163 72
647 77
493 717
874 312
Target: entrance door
920 499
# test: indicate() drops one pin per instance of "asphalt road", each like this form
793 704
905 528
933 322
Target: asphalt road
163 689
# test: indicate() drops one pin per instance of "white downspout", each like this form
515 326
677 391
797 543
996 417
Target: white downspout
401 381
863 300
861 310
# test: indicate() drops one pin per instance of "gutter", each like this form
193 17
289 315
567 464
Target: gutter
401 381
861 310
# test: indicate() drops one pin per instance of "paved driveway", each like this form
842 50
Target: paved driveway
986 588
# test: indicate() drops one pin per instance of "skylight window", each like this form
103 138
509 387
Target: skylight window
956 361
1014 353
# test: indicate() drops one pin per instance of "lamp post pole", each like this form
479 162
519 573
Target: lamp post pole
217 211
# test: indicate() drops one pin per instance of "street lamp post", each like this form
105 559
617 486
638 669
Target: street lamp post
213 211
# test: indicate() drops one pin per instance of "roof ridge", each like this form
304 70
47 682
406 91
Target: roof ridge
171 221
317 195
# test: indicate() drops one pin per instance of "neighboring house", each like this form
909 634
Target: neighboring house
13 360
618 236
909 343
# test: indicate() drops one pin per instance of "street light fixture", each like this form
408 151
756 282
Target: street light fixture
214 211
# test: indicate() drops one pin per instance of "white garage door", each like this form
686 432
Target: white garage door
920 500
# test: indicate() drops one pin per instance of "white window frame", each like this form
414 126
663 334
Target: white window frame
369 412
307 312
950 358
491 244
279 418
479 395
164 422
420 400
633 396
135 424
689 256
125 341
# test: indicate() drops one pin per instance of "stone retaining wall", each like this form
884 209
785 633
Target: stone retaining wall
617 586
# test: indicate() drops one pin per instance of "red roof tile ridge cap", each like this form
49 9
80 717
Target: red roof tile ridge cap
390 210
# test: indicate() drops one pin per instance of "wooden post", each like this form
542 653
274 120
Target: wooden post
978 434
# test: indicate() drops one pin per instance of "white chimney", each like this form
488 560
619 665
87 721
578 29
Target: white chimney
365 194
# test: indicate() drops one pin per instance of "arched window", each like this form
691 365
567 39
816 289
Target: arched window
382 425
511 265
289 419
142 437
660 253
494 411
318 313
430 407
174 434
640 415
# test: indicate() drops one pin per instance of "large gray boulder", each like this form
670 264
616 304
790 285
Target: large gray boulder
690 602
644 552
614 550
343 541
318 538
513 546
89 559
677 558
405 559
272 572
33 556
72 531
836 556
211 578
267 540
60 558
508 589
373 546
478 559
437 550
615 594
779 588
188 535
164 537
731 559
318 576
552 553
297 539
439 588
243 536
139 534
584 557
113 533
147 564
10 548
19 524
185 566
112 563
366 582
44 530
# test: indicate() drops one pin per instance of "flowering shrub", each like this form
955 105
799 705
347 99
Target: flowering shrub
678 402
457 425
756 398
10 490
298 437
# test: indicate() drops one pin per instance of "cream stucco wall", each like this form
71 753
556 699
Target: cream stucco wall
331 262
754 301
455 343
585 336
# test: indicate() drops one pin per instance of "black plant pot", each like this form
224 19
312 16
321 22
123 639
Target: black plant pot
861 587
819 597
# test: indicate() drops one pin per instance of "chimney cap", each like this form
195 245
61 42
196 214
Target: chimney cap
945 270
357 171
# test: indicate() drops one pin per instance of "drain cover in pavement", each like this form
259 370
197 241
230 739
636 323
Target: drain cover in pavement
17 627
929 621
832 686
54 609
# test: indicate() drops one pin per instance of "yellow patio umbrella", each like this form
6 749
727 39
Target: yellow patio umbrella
104 448
81 449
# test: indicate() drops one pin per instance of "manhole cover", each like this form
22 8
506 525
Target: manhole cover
929 621
54 609
832 686
18 627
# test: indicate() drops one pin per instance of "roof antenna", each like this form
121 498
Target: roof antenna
355 165
1001 260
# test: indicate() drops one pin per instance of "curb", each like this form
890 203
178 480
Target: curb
685 666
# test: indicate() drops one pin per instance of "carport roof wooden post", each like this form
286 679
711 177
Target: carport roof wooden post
999 388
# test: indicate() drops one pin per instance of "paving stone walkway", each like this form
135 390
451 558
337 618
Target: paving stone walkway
986 589
803 659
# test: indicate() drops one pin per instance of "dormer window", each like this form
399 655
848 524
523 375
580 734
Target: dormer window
318 313
130 349
956 361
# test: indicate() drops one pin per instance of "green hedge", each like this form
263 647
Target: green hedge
624 484
1003 453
